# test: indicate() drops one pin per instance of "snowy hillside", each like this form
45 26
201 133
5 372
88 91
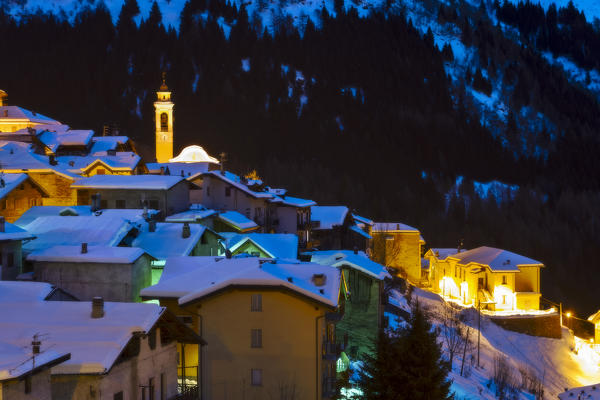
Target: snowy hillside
551 360
591 8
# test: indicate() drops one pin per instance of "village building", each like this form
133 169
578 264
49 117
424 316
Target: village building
168 194
399 246
18 291
18 193
166 240
113 273
284 336
196 214
11 238
262 245
361 298
191 161
14 118
95 350
498 279
437 261
335 228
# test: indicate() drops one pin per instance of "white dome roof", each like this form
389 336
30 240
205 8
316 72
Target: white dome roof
194 154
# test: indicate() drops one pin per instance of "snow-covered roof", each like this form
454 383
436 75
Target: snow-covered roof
129 214
16 291
589 392
238 221
443 253
8 182
362 220
357 229
167 240
67 327
293 201
196 213
19 157
197 277
496 259
101 144
128 182
94 254
187 170
95 230
21 114
17 361
393 227
121 160
13 232
194 154
275 245
358 261
238 183
55 139
328 216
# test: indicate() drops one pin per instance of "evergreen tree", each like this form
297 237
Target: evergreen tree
407 364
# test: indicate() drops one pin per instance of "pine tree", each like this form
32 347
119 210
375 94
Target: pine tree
407 364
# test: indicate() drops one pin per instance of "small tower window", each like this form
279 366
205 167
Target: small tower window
164 122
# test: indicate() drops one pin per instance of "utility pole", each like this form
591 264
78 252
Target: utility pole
478 328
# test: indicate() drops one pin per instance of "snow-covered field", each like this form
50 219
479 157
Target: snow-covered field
553 360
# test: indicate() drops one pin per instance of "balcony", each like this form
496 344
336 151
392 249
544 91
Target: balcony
331 351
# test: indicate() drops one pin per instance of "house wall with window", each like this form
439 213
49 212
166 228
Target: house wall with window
20 199
148 364
11 262
58 188
84 280
278 346
32 387
400 250
363 313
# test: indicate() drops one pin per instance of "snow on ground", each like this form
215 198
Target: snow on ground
552 359
575 73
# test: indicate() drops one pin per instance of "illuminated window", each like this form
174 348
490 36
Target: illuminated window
164 122
256 302
256 377
256 338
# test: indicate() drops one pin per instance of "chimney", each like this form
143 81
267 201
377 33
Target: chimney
97 307
222 162
186 233
460 246
2 224
151 226
397 227
35 345
83 248
95 202
52 159
111 152
319 279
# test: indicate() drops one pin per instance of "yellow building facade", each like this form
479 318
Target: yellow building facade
398 246
500 280
163 112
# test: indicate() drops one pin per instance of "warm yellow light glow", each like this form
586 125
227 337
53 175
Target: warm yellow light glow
504 297
568 315
448 287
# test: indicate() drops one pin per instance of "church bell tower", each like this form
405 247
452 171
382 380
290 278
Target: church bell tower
163 115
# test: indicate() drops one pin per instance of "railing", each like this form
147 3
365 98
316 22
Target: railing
330 351
187 393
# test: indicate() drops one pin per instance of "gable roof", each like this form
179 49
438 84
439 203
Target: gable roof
167 241
238 183
9 182
95 230
359 261
443 253
393 227
55 139
101 144
238 221
95 254
129 214
195 213
328 216
275 245
293 201
13 232
198 277
128 182
13 291
94 343
17 361
22 114
497 260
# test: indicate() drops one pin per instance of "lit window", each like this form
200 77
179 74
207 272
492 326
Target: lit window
256 377
256 340
503 299
256 302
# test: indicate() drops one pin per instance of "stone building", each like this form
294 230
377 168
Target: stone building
11 238
18 193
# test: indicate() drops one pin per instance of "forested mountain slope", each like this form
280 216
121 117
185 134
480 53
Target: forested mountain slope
403 110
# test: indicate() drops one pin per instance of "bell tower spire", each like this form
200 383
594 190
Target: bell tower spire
163 115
